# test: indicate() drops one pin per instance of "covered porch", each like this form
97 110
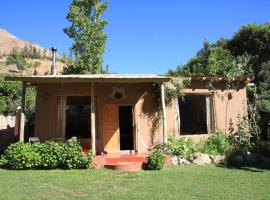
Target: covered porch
107 113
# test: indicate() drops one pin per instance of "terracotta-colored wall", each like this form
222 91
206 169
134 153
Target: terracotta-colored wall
136 96
235 106
145 108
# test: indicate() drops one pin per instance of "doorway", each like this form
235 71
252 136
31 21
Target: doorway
126 128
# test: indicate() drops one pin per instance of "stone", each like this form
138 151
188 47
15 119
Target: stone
202 159
174 160
183 161
218 159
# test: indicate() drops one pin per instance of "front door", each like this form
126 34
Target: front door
111 134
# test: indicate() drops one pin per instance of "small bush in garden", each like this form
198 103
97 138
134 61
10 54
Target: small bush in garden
235 156
181 147
21 156
48 155
51 154
73 156
216 144
156 161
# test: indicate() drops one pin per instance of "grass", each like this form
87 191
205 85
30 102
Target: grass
191 182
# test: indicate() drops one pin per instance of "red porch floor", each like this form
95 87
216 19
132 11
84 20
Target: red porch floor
121 161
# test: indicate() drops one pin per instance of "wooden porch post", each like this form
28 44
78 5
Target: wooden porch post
164 113
20 118
93 120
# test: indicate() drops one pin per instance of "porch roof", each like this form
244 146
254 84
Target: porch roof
127 78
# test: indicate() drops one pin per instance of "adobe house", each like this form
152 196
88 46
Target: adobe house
117 113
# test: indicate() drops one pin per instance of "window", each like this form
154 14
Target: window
195 114
74 116
78 119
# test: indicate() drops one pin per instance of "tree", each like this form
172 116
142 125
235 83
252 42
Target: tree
254 40
87 32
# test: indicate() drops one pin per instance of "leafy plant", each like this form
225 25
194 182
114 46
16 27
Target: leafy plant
73 156
241 138
51 154
181 147
21 156
48 155
216 144
156 161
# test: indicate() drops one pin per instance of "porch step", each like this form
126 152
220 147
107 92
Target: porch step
121 162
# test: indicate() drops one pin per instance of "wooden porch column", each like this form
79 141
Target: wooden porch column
164 113
93 120
20 118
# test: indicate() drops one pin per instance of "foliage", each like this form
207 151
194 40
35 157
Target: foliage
180 147
173 89
73 156
21 156
51 154
216 144
241 138
10 99
16 58
232 153
89 37
156 161
48 155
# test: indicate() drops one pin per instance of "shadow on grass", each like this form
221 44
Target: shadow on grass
252 167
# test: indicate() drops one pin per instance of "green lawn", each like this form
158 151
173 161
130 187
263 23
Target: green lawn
191 182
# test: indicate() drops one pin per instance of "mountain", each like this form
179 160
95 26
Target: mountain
8 42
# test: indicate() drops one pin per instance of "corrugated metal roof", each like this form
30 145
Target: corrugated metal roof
90 78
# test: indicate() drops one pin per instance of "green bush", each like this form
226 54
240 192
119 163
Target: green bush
51 154
242 137
73 156
181 147
216 144
48 155
21 156
156 161
232 153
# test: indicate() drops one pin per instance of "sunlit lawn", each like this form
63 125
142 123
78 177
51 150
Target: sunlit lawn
191 182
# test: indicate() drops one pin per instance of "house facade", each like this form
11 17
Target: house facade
115 113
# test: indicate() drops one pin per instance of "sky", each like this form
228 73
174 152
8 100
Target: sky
144 36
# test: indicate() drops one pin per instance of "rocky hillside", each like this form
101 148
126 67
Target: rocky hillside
8 42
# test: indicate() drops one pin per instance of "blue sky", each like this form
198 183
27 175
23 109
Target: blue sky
144 36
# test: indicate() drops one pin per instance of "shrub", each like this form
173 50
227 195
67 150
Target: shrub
216 144
48 155
181 147
51 154
156 161
73 156
242 137
21 156
232 153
